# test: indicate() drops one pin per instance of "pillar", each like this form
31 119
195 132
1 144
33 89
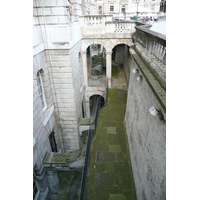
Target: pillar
87 109
90 61
85 74
109 67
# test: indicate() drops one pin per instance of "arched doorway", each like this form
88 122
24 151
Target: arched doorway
96 65
93 103
121 62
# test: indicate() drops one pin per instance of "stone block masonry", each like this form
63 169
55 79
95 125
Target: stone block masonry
146 137
65 84
43 124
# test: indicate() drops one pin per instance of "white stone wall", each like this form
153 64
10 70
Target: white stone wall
43 120
147 140
54 28
68 92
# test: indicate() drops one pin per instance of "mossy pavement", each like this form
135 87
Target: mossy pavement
69 182
109 173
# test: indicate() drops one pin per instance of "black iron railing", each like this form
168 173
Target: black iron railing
91 134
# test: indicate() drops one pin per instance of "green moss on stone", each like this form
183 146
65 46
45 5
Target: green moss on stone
109 156
115 71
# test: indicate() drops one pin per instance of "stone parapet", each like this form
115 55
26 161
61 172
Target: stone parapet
153 43
154 84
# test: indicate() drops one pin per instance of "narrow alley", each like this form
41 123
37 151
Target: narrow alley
109 173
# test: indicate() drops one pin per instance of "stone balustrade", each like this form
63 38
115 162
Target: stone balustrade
122 26
103 24
154 43
95 20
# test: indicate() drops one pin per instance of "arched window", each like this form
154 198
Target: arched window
100 9
123 9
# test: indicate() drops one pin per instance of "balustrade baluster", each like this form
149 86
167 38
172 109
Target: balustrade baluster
162 54
117 28
164 57
95 22
90 21
158 51
154 48
98 21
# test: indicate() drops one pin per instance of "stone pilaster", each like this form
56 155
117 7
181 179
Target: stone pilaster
109 67
84 60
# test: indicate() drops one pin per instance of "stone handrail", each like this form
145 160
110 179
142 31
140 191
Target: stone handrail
154 43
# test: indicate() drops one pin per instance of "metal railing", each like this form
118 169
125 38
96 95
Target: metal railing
91 134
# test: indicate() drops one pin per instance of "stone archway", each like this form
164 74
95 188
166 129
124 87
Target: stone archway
93 103
108 44
121 62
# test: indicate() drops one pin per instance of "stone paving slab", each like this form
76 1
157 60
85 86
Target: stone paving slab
117 197
111 130
114 148
104 179
105 156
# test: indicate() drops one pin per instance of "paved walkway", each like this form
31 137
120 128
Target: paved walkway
109 173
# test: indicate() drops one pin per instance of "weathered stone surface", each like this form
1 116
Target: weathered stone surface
146 138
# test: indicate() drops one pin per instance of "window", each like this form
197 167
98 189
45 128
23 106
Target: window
123 9
35 189
111 8
41 90
100 9
52 141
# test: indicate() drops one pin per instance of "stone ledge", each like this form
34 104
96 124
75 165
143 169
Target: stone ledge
85 121
151 80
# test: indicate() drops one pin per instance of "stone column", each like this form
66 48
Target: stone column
90 61
41 179
84 61
87 109
109 67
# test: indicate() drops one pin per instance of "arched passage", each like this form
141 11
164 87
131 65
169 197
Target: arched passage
93 103
108 44
121 62
96 60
